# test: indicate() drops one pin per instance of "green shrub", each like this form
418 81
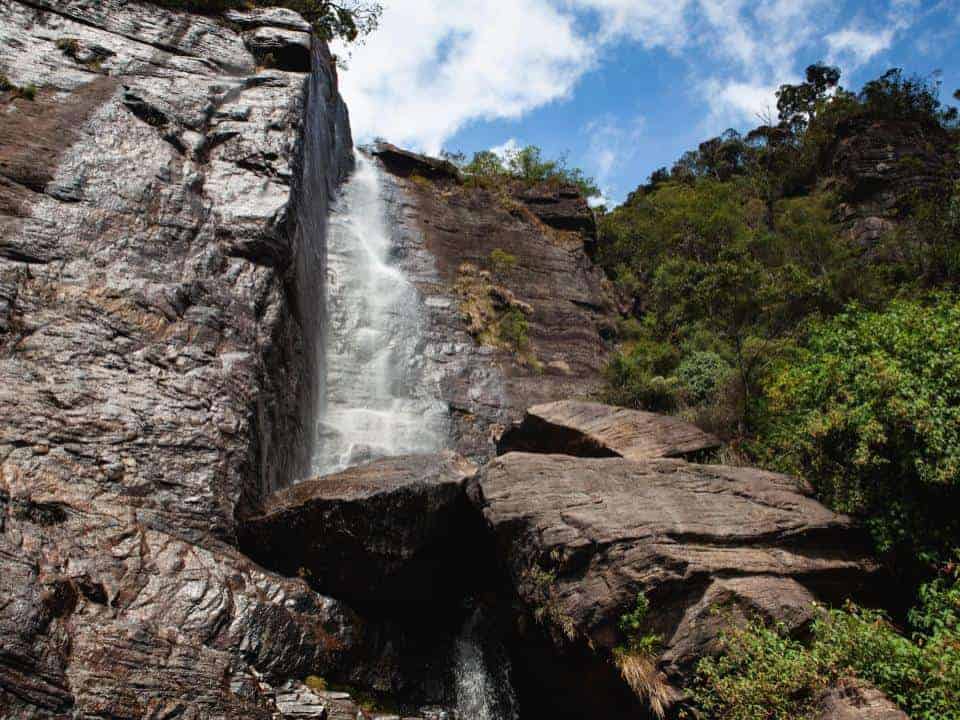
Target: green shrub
632 381
761 674
502 262
524 165
632 626
701 375
869 411
514 329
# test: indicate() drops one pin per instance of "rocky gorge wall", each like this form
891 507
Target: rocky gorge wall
162 205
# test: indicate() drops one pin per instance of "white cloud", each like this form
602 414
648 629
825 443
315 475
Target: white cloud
435 66
507 149
612 145
732 102
855 48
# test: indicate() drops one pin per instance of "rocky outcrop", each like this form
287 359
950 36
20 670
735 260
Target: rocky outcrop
883 168
581 538
517 313
161 203
560 206
853 700
404 163
382 529
588 429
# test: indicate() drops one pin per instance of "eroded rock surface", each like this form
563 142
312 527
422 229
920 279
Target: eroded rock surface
589 429
582 537
882 168
156 362
541 279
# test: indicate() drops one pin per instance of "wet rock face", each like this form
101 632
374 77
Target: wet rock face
482 258
155 357
582 537
589 429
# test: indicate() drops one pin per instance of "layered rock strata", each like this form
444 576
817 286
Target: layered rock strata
162 200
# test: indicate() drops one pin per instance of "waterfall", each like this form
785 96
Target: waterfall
482 675
376 400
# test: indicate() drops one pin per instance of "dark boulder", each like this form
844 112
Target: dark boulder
590 429
405 163
369 531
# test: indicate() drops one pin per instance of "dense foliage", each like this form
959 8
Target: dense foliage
760 315
735 260
762 674
868 408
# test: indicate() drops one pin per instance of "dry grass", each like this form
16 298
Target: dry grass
640 672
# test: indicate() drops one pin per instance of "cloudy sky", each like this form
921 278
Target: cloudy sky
621 86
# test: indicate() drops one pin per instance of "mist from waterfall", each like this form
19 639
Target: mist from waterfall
376 400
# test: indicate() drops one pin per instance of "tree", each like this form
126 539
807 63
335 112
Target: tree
799 102
347 20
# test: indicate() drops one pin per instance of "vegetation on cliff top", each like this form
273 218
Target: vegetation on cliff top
525 165
761 310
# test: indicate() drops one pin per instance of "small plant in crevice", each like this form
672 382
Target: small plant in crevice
68 46
27 92
636 659
316 683
502 263
494 316
547 610
514 329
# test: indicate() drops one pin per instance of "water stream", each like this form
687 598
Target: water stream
376 400
482 675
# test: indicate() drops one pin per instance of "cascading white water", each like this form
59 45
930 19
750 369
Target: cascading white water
375 401
483 684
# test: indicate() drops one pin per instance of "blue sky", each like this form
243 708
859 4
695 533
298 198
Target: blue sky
622 86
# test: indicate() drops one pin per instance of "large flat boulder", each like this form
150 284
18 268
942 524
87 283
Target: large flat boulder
581 537
385 525
590 429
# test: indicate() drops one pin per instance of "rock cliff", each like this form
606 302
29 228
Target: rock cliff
483 256
160 281
163 205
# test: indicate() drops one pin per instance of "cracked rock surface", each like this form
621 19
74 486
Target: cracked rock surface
155 357
581 537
